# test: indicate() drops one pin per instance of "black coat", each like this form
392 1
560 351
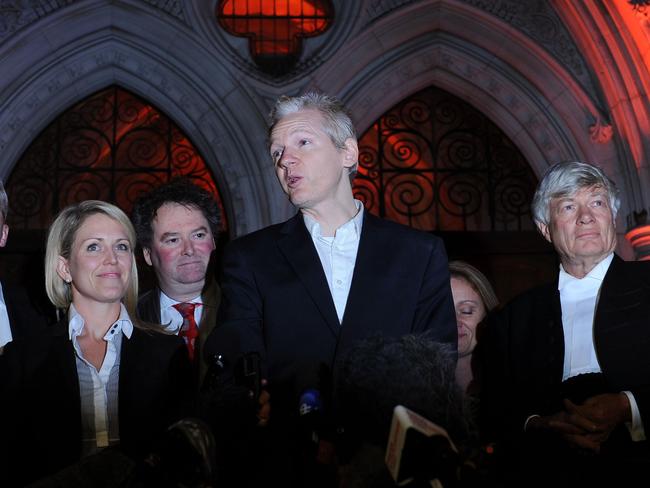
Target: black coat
40 412
276 301
25 316
522 358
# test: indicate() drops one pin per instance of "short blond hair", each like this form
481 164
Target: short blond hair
60 238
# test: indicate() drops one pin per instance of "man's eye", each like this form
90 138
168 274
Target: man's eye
171 240
304 142
200 235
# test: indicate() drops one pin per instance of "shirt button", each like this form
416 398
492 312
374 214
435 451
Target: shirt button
338 282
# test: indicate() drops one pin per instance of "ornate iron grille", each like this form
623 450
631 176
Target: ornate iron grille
435 163
275 28
113 146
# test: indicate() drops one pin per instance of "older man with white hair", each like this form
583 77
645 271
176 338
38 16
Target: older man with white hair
567 365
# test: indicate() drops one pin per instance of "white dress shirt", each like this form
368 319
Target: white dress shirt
99 389
579 298
172 318
338 255
5 329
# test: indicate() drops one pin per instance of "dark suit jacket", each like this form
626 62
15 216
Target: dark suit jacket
25 316
40 412
276 300
149 310
522 351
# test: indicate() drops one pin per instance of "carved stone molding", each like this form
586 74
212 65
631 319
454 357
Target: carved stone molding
13 16
601 132
148 70
539 21
16 14
175 8
378 8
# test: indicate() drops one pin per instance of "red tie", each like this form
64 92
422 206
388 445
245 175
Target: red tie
189 331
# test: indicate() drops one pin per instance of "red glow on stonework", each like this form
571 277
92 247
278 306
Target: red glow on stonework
275 27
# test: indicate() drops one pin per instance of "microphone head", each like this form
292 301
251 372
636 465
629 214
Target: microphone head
310 402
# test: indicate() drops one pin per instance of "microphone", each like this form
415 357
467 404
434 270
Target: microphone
310 410
225 399
420 450
222 347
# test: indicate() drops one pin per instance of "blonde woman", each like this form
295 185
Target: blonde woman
98 378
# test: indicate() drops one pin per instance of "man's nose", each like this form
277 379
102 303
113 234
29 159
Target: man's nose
286 159
585 215
188 247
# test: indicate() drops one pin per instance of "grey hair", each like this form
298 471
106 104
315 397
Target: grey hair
566 178
337 122
4 202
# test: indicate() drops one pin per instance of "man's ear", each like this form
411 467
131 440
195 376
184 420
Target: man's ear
63 270
543 229
146 252
351 151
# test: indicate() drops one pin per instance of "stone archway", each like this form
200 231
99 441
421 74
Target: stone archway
548 111
65 56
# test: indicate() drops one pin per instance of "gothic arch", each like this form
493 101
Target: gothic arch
491 64
614 36
75 51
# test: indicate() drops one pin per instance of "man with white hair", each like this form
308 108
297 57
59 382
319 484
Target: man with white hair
566 380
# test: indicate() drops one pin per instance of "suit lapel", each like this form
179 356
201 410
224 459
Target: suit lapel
618 292
370 253
126 376
151 306
296 245
66 369
210 298
555 336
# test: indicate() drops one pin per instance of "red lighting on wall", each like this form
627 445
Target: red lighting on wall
639 237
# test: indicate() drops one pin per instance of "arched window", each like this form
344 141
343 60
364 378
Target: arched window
275 28
435 163
112 146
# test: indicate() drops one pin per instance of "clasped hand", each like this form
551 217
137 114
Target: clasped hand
590 424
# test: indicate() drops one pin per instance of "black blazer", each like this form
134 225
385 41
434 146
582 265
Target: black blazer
25 316
275 300
40 412
522 352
